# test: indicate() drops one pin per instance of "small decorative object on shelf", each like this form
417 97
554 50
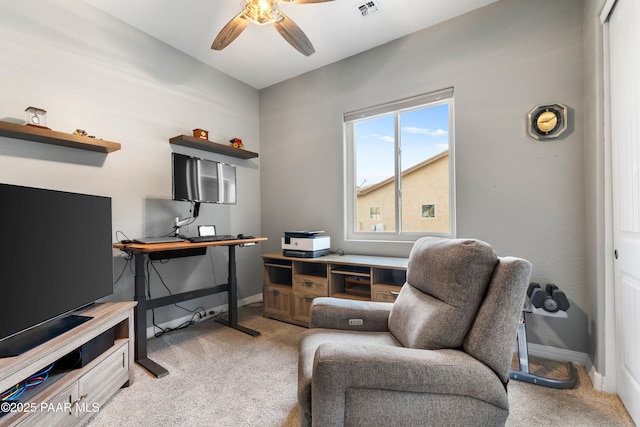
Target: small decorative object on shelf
236 142
201 133
82 132
36 117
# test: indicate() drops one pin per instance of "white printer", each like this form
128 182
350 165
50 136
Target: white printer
305 244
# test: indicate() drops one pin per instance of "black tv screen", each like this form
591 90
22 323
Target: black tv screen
56 255
203 181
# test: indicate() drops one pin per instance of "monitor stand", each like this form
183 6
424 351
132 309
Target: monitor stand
25 341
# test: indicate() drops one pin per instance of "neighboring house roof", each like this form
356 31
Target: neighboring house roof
369 188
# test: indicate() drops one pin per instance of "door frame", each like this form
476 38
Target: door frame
607 382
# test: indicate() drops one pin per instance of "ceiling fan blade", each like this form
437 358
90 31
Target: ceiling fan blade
307 1
230 31
294 35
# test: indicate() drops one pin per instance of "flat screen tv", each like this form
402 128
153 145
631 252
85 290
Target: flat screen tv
56 258
203 181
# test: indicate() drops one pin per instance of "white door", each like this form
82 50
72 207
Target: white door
624 51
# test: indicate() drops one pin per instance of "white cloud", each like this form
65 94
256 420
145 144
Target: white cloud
380 137
424 131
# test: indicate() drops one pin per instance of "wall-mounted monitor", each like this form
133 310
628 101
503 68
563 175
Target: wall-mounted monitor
203 181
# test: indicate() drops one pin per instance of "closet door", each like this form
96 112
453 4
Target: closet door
624 69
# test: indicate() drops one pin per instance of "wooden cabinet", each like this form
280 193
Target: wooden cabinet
71 397
291 284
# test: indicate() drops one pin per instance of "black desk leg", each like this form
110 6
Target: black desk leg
140 321
233 297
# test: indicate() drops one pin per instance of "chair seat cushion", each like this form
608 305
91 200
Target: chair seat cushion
313 338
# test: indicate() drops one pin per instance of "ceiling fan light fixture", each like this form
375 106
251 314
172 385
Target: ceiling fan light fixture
262 12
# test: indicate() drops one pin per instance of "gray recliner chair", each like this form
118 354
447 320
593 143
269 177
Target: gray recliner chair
439 355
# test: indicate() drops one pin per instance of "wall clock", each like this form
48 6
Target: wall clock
547 121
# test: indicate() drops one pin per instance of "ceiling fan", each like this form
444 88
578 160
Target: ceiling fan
264 12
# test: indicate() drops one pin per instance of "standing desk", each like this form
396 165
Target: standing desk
139 251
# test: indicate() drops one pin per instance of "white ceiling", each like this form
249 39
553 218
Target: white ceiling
260 57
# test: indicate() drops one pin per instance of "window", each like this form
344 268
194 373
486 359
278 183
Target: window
374 212
428 211
399 161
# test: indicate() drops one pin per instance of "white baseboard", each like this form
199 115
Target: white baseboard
559 354
601 382
171 324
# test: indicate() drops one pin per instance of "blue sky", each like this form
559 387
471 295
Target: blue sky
424 133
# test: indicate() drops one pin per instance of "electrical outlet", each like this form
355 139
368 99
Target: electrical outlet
355 322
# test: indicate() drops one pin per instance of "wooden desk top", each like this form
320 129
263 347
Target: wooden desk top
157 247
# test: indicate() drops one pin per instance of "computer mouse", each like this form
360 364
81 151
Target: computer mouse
245 236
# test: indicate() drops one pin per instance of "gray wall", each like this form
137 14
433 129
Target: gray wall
524 197
538 200
93 72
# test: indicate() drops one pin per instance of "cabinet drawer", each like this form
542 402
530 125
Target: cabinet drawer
99 384
302 307
278 301
317 286
384 293
58 411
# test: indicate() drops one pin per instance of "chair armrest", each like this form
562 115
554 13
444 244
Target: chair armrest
335 313
337 369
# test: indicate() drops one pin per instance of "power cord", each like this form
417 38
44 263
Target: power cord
127 263
34 380
197 314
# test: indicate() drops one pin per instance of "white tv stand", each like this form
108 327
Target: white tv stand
73 396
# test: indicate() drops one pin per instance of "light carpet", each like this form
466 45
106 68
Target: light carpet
222 377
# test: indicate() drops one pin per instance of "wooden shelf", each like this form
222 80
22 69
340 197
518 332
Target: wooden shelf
214 147
48 136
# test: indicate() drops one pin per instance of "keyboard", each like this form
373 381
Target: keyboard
216 238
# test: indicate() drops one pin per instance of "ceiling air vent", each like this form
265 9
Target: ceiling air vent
368 8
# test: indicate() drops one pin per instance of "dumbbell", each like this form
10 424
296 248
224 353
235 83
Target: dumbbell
552 299
540 298
558 296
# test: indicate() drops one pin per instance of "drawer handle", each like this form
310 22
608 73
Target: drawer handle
276 292
394 293
82 397
308 298
308 282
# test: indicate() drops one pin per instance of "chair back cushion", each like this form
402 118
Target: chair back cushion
494 329
446 282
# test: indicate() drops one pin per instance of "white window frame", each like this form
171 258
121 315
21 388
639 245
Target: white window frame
350 219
